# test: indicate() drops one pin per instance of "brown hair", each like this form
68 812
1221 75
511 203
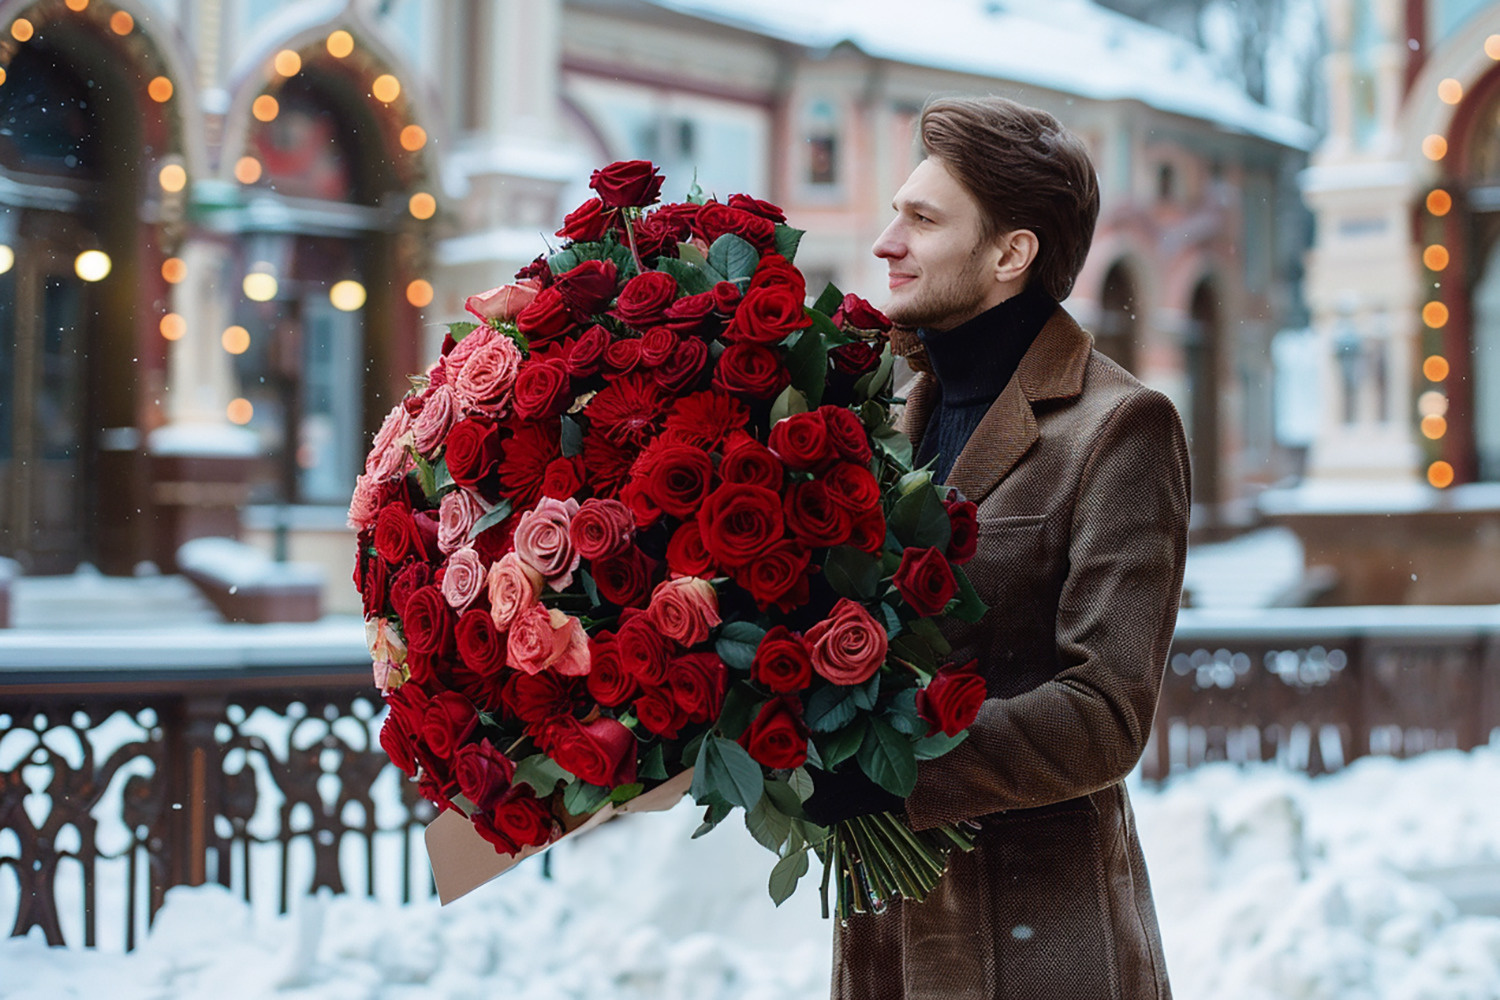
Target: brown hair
1026 171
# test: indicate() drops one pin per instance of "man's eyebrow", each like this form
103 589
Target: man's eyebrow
919 206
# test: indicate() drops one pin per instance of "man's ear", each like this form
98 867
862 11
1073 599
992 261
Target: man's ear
1018 248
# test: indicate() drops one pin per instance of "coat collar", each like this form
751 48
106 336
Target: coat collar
1051 369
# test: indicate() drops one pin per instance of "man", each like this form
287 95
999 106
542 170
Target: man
1081 478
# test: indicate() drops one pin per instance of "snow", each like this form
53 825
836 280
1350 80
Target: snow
1250 571
236 564
203 439
1380 882
1071 46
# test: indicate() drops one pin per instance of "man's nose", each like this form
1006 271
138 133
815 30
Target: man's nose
887 246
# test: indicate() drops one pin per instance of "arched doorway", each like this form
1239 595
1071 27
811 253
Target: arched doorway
72 132
1119 317
1201 416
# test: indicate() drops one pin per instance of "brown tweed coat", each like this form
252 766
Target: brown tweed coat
1081 477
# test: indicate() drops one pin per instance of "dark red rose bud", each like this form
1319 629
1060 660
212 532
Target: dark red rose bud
564 478
428 622
767 316
752 463
588 222
627 184
813 517
624 579
686 555
782 662
963 519
855 313
778 577
659 713
601 752
925 580
622 357
657 345
643 651
589 287
691 313
412 577
715 220
727 297
857 358
951 700
755 206
778 736
775 271
483 773
587 352
396 537
683 367
698 682
853 487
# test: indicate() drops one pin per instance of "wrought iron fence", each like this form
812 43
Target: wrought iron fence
125 771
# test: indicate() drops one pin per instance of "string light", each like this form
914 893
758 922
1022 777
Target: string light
422 205
172 178
173 326
1440 474
121 23
235 340
1450 91
93 265
386 88
265 108
287 63
1434 147
419 293
1435 367
1435 257
173 270
239 411
22 30
1434 427
7 258
1439 202
260 286
78 5
1492 47
1435 315
413 138
160 89
340 44
347 295
2 75
247 170
1432 404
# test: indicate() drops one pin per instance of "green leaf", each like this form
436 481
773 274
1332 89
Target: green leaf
808 363
442 479
581 798
652 766
934 746
787 240
426 476
841 745
814 757
789 402
914 650
768 825
902 714
572 436
692 280
877 382
590 588
829 708
785 876
865 694
829 300
892 620
887 758
695 193
458 331
784 797
491 517
717 812
624 793
894 444
733 257
737 643
852 573
692 255
727 770
928 630
970 606
801 782
920 520
566 260
742 703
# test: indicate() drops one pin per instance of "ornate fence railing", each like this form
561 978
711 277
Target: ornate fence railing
249 756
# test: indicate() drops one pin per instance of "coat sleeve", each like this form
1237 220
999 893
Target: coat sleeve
1085 728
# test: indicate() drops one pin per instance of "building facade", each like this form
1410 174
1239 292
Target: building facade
291 198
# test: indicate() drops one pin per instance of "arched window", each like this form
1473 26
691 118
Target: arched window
1119 317
822 136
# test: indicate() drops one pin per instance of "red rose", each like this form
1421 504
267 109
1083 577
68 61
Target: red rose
657 345
813 517
563 478
546 318
537 699
396 536
587 352
749 462
755 206
963 520
480 644
587 223
739 522
624 579
853 487
767 316
524 458
801 441
627 184
655 239
413 577
644 300
691 312
643 651
428 622
601 528
753 370
951 700
676 218
706 420
686 555
473 449
777 577
847 433
447 722
659 712
370 576
715 220
621 357
848 646
675 476
537 271
698 682
855 313
543 389
484 692
868 532
778 737
518 821
396 738
606 461
925 580
610 684
483 773
682 368
857 358
727 297
601 752
782 662
589 287
775 270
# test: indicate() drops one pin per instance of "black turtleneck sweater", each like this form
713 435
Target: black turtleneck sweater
972 363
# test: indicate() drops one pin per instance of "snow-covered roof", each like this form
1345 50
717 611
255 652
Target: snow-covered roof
1071 46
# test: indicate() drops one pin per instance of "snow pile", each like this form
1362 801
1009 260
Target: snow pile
1382 882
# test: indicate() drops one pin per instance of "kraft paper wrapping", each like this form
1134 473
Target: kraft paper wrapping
462 860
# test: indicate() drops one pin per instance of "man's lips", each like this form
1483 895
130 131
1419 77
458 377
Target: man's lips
897 280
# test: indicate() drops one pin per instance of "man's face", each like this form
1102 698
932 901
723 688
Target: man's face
942 271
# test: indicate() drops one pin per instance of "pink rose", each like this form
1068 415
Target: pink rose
488 373
476 339
602 528
364 504
544 542
848 646
684 609
387 652
456 516
540 639
431 426
513 588
503 304
388 458
463 579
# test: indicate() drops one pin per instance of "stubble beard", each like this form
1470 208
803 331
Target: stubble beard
948 301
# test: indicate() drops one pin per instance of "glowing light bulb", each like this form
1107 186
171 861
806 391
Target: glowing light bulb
247 170
287 63
260 286
413 138
121 23
1434 147
1435 315
1434 427
78 5
173 326
173 270
1432 404
160 89
265 108
22 30
340 44
1439 202
235 340
239 411
1435 257
1440 474
93 265
347 295
1435 368
1492 47
386 88
419 293
1450 91
7 258
422 205
172 178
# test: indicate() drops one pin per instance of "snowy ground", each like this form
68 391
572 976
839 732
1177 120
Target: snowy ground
1380 882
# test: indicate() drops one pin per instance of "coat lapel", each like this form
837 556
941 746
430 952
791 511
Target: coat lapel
1051 369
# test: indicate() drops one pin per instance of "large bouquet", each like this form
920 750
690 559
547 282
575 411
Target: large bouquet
650 514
